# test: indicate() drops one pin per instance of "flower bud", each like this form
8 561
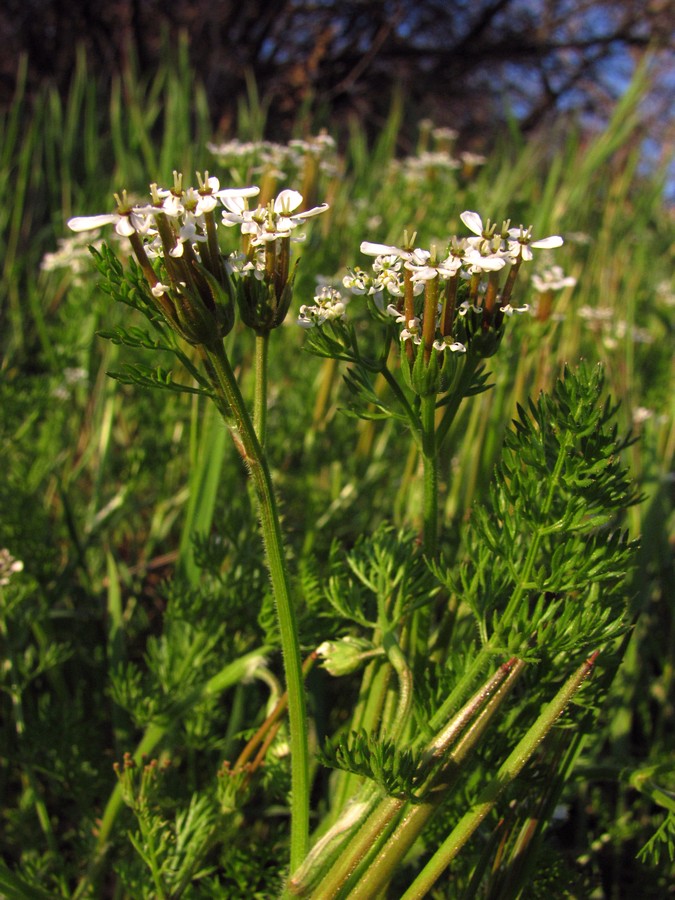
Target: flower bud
346 655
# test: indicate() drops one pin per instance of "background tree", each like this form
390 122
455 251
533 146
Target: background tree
463 63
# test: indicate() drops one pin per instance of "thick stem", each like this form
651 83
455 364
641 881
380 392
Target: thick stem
262 342
367 850
244 434
421 618
430 462
489 796
415 816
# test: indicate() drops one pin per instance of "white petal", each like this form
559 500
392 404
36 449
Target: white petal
89 223
472 221
124 227
428 273
173 206
287 201
230 193
206 204
378 249
311 212
548 243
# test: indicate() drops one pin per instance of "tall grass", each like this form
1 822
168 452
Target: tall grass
108 490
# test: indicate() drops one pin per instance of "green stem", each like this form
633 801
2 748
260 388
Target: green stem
369 834
367 715
260 397
418 639
489 796
430 462
458 394
371 855
405 687
245 437
410 413
490 697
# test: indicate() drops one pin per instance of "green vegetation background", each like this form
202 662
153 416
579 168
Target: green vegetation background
106 489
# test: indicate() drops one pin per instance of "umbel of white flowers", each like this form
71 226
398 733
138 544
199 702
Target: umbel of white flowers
175 240
402 274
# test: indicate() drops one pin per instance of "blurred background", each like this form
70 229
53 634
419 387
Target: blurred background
466 64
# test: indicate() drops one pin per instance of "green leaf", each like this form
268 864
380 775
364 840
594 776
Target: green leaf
158 377
135 337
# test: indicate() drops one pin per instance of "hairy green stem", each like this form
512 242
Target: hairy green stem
369 857
245 437
490 697
430 462
262 342
508 772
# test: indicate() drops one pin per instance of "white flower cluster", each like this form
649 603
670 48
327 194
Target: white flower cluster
178 219
477 257
552 279
603 321
282 160
265 224
8 567
329 304
425 164
72 254
437 161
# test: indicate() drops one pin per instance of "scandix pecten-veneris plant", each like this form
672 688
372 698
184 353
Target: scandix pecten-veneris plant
469 657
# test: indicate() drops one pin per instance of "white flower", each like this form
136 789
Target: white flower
417 257
472 159
126 224
509 310
485 252
444 269
441 133
476 262
473 221
447 343
357 281
234 199
329 304
8 566
187 232
465 307
598 314
552 279
520 243
393 311
384 263
412 332
371 249
641 414
277 220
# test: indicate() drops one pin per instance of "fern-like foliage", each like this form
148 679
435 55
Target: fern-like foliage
545 557
128 285
397 771
383 569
